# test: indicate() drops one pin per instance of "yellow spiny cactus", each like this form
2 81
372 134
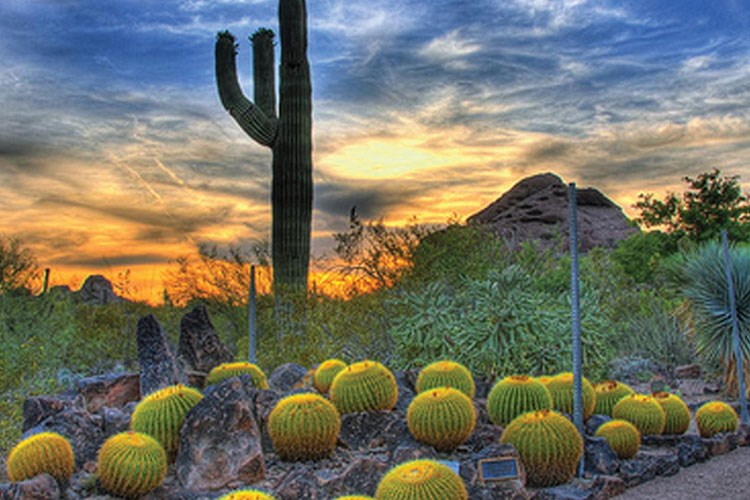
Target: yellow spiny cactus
228 370
561 388
677 413
442 417
642 411
446 374
364 386
131 464
247 495
161 414
549 445
325 373
44 452
421 480
608 393
304 427
622 436
715 417
515 395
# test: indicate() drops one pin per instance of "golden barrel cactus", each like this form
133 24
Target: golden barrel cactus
622 436
608 393
643 412
561 389
549 445
131 464
421 480
304 427
247 495
229 370
44 452
325 373
715 417
446 374
442 417
677 413
515 395
364 386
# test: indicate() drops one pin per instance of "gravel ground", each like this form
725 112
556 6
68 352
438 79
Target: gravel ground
726 477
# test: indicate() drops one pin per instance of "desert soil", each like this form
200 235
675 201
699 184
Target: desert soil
726 477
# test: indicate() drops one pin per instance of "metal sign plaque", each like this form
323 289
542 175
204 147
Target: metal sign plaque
498 469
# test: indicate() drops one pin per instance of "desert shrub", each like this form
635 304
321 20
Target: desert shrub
641 255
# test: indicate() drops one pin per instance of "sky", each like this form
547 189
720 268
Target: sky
116 154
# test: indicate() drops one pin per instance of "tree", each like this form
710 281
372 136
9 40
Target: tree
712 203
18 266
289 135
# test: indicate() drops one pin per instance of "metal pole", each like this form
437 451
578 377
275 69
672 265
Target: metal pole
576 318
45 287
735 328
251 319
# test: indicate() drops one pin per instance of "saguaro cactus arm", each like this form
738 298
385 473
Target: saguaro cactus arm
248 116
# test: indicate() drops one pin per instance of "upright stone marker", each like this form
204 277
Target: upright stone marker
159 367
200 348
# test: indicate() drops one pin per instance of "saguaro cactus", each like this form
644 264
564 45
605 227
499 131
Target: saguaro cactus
289 135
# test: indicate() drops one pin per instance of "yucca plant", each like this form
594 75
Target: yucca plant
702 277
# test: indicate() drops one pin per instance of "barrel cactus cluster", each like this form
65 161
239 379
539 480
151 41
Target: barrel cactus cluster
643 411
364 386
515 395
304 427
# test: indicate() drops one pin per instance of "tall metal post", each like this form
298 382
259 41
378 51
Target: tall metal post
45 286
735 329
576 317
251 318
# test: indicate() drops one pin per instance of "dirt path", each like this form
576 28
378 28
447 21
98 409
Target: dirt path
726 477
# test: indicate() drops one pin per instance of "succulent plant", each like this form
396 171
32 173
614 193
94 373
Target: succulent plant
442 417
677 413
44 452
247 495
561 389
354 497
421 480
325 373
622 436
549 445
715 417
131 463
161 414
446 373
515 395
643 412
304 427
228 370
608 393
364 386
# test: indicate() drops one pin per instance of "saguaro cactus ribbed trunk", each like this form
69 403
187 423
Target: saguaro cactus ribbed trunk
289 135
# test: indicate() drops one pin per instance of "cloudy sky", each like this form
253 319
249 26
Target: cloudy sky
116 154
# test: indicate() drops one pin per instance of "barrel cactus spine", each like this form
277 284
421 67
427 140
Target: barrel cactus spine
325 373
422 480
247 495
228 370
715 417
549 445
677 413
608 393
161 414
131 464
561 389
304 427
622 436
442 417
364 386
515 395
643 412
288 135
446 374
44 452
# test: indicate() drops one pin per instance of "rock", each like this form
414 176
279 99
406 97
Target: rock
220 441
265 400
83 430
38 408
634 371
159 368
287 377
41 487
599 457
712 387
594 422
599 488
691 450
97 290
720 444
646 465
200 349
111 390
299 483
372 429
406 391
360 477
536 209
483 436
115 420
482 386
688 371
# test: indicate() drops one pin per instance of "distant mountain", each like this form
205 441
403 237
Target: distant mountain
536 208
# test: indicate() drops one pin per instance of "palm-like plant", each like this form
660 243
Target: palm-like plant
702 277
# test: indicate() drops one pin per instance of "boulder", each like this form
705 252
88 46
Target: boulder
113 390
220 441
599 457
97 290
83 430
536 209
287 377
159 367
593 423
41 487
691 450
372 429
200 349
36 409
360 477
688 371
646 465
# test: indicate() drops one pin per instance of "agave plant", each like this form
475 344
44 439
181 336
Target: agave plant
702 277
